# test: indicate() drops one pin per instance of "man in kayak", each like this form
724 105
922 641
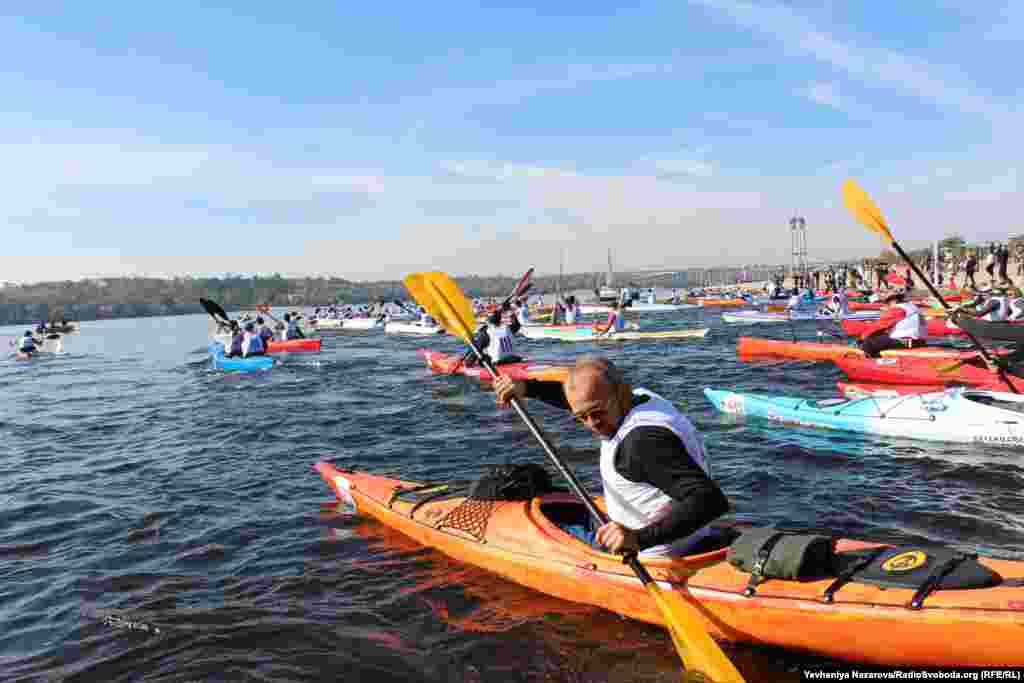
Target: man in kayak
657 485
495 339
996 309
901 326
616 322
27 343
252 344
266 334
234 346
291 330
523 313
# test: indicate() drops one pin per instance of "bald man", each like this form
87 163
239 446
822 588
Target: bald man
657 484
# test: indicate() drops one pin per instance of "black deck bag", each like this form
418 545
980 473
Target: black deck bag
512 482
767 553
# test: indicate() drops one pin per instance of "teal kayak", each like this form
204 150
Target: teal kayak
221 362
955 415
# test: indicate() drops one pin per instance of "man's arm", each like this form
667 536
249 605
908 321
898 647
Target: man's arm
887 320
657 456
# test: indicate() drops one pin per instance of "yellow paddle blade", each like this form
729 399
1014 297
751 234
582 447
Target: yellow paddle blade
444 301
863 209
699 651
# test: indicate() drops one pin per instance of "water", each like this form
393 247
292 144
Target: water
143 491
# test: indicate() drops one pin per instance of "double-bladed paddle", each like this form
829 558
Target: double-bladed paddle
447 304
869 215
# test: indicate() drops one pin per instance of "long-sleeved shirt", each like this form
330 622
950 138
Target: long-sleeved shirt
657 456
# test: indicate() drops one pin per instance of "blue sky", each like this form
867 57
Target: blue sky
319 138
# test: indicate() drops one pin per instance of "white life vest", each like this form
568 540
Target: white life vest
1002 313
252 343
913 326
639 504
523 314
570 315
651 299
500 346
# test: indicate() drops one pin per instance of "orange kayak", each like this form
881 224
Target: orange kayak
723 302
974 625
808 350
445 364
292 345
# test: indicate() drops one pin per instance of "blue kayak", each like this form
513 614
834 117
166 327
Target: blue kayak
954 415
221 362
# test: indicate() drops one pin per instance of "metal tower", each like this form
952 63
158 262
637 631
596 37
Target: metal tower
798 233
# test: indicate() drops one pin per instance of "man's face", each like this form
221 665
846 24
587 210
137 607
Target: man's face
594 403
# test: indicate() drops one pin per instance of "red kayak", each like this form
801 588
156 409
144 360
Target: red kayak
445 364
23 355
865 305
292 345
923 372
937 327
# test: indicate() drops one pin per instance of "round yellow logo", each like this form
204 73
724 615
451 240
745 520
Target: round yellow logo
904 562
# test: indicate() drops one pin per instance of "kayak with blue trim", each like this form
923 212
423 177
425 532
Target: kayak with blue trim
222 362
956 415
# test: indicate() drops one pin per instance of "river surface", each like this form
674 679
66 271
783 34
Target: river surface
162 521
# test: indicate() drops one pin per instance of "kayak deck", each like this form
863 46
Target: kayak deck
862 622
445 364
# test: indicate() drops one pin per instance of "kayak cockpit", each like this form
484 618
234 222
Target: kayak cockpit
558 514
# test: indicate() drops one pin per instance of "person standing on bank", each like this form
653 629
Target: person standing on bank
658 489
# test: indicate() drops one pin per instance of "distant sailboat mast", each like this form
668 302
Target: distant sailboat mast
610 278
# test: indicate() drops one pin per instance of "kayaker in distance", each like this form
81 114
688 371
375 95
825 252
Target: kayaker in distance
657 484
266 334
27 344
495 339
291 330
616 321
900 326
252 344
234 346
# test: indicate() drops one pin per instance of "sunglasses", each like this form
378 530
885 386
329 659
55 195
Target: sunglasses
595 414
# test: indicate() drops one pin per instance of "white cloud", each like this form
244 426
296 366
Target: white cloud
873 65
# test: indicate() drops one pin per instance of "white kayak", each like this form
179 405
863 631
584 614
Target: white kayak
362 324
636 307
394 327
770 317
584 334
326 323
960 414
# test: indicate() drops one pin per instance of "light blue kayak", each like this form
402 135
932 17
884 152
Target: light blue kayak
955 415
221 362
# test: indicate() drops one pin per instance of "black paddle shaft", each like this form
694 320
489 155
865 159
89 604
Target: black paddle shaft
574 483
935 293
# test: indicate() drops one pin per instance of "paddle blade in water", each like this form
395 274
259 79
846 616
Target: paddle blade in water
444 301
698 650
863 209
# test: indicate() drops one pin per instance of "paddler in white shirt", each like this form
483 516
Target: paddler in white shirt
523 313
616 322
901 326
252 344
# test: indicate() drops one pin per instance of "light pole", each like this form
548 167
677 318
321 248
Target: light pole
798 234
